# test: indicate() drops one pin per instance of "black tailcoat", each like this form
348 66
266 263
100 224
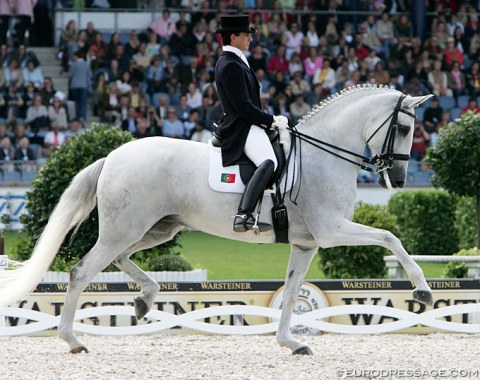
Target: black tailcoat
239 93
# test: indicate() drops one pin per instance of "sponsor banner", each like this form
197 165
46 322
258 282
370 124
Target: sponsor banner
182 299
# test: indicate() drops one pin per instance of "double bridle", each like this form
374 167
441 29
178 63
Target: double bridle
377 163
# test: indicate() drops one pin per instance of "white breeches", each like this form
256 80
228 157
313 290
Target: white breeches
258 147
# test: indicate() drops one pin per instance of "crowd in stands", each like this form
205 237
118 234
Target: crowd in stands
160 80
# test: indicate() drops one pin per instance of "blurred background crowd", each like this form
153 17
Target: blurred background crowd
159 81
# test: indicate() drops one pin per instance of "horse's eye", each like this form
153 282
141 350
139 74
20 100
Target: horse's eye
404 129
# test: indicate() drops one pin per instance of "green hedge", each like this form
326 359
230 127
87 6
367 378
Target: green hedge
458 269
466 222
52 180
426 220
360 261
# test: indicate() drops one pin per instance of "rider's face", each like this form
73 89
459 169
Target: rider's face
241 41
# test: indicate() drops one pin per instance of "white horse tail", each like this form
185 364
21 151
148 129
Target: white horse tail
74 206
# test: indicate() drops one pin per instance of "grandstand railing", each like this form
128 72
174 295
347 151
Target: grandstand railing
18 171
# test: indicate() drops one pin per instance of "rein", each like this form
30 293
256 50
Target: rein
375 164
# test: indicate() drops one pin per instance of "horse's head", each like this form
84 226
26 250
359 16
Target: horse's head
391 142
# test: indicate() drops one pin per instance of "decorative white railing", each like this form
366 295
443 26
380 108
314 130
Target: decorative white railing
161 321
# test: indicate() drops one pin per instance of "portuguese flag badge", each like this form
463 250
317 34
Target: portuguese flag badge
228 178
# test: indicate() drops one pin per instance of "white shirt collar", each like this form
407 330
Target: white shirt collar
237 52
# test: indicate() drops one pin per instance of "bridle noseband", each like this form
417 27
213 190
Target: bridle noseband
377 163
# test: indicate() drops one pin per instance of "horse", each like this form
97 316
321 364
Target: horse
147 190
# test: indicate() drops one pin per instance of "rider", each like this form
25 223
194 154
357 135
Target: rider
244 123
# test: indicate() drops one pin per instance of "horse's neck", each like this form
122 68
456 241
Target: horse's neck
339 125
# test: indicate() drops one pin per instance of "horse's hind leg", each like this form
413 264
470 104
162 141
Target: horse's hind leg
300 259
149 287
99 257
161 232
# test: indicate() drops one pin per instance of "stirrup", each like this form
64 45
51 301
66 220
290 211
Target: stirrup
246 222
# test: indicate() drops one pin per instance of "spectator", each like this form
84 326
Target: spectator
14 103
112 45
438 79
163 26
473 79
188 73
403 27
312 35
312 63
142 130
456 80
381 76
121 57
295 65
341 76
453 54
5 13
298 108
33 74
153 47
142 57
130 123
194 96
201 134
133 44
183 109
281 106
53 139
277 63
472 106
181 43
13 74
299 85
294 38
123 83
23 56
47 91
79 84
210 93
37 116
326 77
432 116
23 24
7 153
90 32
136 96
190 125
172 127
24 153
258 58
445 120
57 112
385 32
27 99
98 51
75 128
420 142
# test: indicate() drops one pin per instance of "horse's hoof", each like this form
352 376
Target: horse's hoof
78 350
423 296
305 350
141 308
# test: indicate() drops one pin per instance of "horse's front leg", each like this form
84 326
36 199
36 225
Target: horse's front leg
349 233
300 259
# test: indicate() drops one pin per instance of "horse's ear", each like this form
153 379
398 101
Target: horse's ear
414 101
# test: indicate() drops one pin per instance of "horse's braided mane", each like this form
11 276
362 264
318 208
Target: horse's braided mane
342 93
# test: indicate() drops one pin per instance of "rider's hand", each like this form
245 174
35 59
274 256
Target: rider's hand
280 122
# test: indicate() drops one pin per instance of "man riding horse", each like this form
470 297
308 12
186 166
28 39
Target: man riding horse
244 124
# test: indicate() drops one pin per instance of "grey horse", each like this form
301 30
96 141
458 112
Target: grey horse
149 189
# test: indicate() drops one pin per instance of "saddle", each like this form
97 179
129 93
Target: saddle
247 167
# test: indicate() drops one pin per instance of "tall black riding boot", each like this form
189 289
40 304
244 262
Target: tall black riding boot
244 219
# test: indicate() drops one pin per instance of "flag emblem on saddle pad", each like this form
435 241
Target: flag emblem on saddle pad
228 178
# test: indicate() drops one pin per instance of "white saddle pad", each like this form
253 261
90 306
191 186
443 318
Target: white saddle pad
227 179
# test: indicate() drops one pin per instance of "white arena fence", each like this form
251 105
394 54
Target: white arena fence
161 321
252 307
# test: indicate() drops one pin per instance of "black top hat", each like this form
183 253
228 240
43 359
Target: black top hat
235 24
